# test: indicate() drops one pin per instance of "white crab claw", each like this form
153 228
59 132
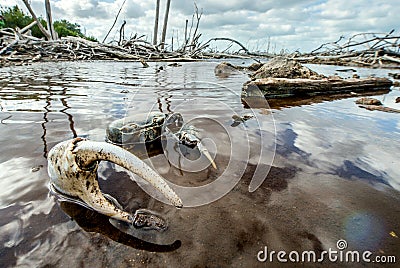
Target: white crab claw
72 167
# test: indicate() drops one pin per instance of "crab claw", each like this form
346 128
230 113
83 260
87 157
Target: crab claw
72 167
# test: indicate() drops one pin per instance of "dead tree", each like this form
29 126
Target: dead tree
115 21
198 17
42 29
164 32
193 39
122 33
50 26
156 23
185 42
225 39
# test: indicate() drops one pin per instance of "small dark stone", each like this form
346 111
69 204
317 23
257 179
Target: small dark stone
175 64
36 169
397 99
395 75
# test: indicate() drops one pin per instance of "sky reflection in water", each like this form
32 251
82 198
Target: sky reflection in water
337 162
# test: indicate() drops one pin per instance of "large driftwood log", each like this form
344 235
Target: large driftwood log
278 103
284 87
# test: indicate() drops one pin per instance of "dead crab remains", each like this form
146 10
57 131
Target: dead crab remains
150 128
73 164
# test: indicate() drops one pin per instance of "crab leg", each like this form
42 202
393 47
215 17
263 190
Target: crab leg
199 145
204 150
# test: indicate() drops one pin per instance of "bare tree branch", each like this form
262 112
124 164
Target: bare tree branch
115 21
42 29
227 39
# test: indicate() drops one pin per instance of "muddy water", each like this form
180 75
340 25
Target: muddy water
331 170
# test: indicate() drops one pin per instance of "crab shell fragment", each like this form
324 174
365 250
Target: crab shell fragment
147 128
141 128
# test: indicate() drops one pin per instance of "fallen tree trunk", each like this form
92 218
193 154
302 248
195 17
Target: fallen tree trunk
284 87
386 57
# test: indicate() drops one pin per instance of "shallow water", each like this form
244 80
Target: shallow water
330 169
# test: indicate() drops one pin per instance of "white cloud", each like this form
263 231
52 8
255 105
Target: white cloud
84 9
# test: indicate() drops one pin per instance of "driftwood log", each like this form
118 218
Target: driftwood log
282 78
18 48
286 87
363 49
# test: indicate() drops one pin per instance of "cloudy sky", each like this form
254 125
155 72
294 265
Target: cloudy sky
287 24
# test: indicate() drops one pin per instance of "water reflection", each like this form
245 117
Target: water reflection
92 221
335 173
279 103
350 170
